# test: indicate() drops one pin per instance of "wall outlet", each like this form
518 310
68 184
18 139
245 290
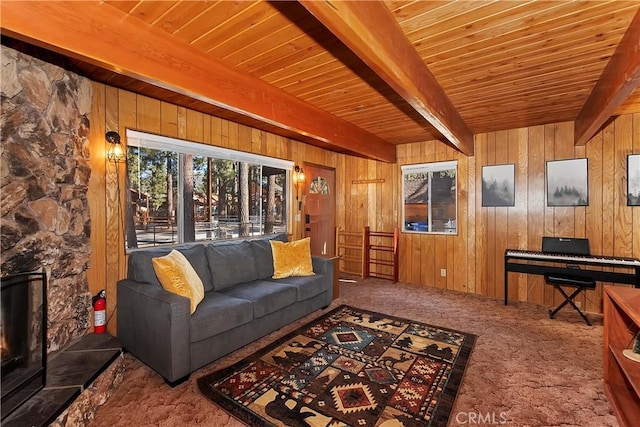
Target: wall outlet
443 272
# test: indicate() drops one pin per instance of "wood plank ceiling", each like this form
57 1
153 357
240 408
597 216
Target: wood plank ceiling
502 64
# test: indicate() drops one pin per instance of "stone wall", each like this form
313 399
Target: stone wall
44 176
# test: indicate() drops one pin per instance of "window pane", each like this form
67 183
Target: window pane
430 197
416 201
216 208
443 201
274 197
218 199
153 183
205 198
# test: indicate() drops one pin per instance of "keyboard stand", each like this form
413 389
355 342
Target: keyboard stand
580 284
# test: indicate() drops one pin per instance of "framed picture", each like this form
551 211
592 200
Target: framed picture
567 183
498 185
633 180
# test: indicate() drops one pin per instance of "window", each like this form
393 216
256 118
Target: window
319 186
182 191
430 200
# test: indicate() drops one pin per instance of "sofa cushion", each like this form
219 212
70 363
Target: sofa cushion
231 263
266 296
141 269
176 275
219 313
292 259
196 256
263 255
306 286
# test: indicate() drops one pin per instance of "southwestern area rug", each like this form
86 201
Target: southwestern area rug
350 367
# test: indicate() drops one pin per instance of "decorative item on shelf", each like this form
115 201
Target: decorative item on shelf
633 353
298 180
115 153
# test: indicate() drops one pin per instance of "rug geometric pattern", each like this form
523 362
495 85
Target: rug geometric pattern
350 367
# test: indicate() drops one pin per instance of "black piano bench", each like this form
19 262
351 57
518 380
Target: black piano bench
579 283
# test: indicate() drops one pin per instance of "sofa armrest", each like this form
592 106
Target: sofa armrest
153 325
322 265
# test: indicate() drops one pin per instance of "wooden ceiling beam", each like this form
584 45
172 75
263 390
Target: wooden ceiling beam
372 33
104 36
620 78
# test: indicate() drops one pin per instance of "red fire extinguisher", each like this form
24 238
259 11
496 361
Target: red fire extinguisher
100 312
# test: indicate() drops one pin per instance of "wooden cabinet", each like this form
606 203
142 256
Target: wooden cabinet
621 375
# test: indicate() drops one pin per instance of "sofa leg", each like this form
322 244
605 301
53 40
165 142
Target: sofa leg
176 382
325 307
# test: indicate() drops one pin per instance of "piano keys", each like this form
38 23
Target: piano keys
521 261
605 261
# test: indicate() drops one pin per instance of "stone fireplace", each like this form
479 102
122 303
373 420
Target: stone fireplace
44 176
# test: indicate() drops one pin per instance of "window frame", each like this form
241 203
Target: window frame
147 140
429 168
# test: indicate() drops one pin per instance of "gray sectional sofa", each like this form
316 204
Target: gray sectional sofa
242 303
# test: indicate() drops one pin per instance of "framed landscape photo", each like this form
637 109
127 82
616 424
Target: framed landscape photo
633 180
567 183
498 185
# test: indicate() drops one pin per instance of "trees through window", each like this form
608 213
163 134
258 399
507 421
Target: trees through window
181 191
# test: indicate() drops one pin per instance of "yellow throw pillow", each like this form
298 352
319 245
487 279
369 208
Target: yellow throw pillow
292 259
176 274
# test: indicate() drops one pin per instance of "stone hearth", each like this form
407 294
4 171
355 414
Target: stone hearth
80 378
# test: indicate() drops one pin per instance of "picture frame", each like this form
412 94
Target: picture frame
633 180
498 185
567 182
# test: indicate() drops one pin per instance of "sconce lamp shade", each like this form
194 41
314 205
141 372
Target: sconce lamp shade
115 153
298 178
298 175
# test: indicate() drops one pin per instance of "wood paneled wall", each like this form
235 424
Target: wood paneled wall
474 259
369 193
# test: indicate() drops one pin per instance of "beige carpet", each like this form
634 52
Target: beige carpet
525 369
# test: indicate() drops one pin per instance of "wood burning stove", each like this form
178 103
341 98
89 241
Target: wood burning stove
23 327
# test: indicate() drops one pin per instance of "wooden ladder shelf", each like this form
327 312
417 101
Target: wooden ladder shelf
380 248
349 250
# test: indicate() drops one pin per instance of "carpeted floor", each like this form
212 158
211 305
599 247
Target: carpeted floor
525 369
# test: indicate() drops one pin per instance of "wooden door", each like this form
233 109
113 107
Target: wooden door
319 209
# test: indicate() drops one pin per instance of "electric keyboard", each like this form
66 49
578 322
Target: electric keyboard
605 261
529 262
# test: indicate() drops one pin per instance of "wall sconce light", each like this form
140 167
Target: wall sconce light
298 179
115 153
